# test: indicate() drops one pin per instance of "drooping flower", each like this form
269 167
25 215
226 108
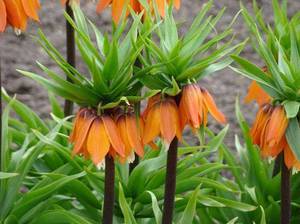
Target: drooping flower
194 106
17 12
268 132
94 136
131 130
161 119
256 93
119 5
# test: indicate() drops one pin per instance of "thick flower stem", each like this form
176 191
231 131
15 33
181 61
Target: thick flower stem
0 115
70 42
277 165
170 184
109 190
285 194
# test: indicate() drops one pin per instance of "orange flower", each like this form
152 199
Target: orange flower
256 93
268 132
161 119
119 5
194 106
95 136
17 12
131 129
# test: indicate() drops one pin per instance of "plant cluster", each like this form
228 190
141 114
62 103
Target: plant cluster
61 170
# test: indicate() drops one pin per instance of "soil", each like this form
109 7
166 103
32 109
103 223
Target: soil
21 52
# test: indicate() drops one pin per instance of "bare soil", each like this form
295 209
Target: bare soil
21 52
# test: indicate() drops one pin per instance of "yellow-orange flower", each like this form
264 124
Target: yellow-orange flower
256 93
194 106
119 5
94 136
17 12
268 132
161 119
131 129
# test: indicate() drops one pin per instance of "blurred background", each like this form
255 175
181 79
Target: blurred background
22 52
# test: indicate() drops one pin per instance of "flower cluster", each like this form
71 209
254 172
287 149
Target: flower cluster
120 133
17 12
95 135
268 132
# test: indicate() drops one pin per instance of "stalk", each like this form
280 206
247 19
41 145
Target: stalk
285 194
277 165
170 181
70 42
109 190
170 184
0 115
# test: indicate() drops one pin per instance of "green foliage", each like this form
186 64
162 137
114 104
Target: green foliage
177 60
41 181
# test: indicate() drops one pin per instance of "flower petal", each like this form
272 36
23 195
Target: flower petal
2 16
30 8
169 121
277 127
121 124
212 107
152 124
113 135
256 93
117 9
82 131
102 5
97 141
289 158
16 16
134 136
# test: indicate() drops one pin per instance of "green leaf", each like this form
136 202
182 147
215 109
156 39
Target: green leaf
4 175
233 221
156 210
111 65
59 217
235 204
189 211
37 195
56 108
292 135
126 210
291 108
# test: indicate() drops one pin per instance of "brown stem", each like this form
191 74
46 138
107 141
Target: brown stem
285 194
70 42
277 165
0 115
109 190
170 183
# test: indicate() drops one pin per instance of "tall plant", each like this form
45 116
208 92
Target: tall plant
180 61
276 128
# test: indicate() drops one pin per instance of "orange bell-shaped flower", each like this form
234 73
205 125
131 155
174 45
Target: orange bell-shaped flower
195 103
161 119
94 136
131 130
